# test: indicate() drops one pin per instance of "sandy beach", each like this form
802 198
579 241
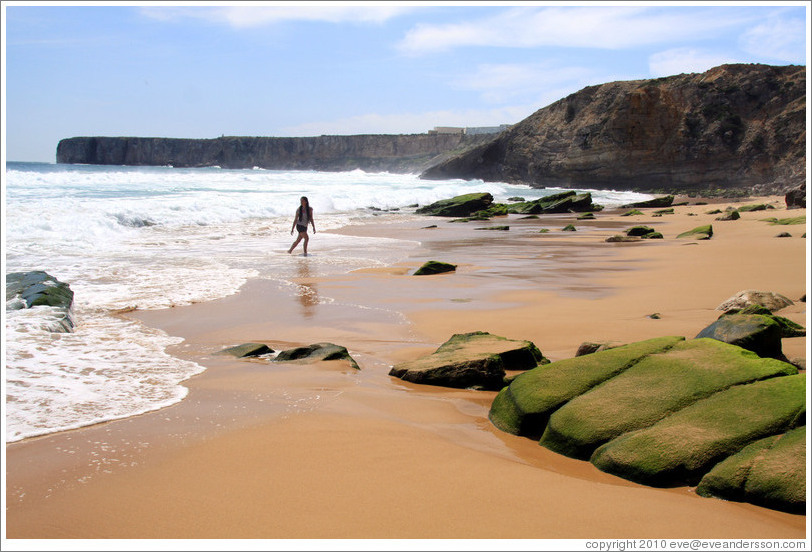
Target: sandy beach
323 451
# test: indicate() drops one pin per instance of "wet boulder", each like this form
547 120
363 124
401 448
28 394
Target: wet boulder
754 332
25 290
476 359
247 350
316 352
434 267
770 472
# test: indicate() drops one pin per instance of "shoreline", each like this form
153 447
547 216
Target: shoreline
297 451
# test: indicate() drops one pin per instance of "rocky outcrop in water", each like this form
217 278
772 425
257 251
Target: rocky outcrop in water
401 153
25 290
734 127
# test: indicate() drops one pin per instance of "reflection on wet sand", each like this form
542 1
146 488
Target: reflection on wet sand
306 292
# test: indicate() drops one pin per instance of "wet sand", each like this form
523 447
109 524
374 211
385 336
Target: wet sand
323 451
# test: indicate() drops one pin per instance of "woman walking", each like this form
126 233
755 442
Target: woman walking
304 216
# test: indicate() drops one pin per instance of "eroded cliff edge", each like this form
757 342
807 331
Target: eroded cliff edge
739 126
401 153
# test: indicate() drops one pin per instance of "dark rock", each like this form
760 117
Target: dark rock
502 228
434 267
714 212
316 352
632 213
639 231
516 199
247 350
796 197
769 300
564 202
672 380
681 448
467 360
754 332
749 208
730 215
40 289
770 472
654 316
429 227
664 201
664 212
459 206
623 239
783 235
587 216
653 236
700 233
569 228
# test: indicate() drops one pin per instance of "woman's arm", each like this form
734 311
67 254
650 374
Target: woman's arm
312 222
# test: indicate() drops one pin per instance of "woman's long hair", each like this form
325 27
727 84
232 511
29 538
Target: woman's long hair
299 209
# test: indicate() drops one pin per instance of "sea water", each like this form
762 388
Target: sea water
157 237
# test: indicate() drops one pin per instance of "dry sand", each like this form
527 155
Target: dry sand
322 451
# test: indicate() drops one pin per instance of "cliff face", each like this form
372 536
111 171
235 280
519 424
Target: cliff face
394 153
732 127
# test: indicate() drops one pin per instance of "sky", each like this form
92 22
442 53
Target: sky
207 69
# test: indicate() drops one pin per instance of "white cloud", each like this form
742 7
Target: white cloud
779 39
499 83
410 123
685 60
594 27
244 16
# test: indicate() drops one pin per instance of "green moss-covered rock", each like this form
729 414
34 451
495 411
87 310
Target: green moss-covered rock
786 221
664 201
495 210
569 228
499 228
653 236
661 212
476 359
681 448
657 386
756 207
788 327
586 216
524 407
434 267
316 352
39 289
623 239
564 202
770 472
700 233
632 213
247 350
754 332
459 206
639 231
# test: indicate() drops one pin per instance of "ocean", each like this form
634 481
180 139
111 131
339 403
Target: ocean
157 237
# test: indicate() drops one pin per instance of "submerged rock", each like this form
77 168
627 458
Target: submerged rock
434 267
477 359
317 352
25 290
459 206
770 472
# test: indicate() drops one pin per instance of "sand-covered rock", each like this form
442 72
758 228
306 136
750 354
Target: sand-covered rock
755 332
476 359
247 350
434 267
729 215
770 472
683 447
460 206
317 352
523 407
655 387
767 299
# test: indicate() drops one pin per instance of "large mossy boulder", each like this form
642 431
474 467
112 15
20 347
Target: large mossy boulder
25 290
767 299
681 448
655 387
316 352
523 407
564 202
788 327
476 359
755 332
770 472
704 232
434 267
657 202
459 206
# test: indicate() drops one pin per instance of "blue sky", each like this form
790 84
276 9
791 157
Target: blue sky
310 68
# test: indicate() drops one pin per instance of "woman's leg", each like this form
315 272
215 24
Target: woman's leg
292 247
306 239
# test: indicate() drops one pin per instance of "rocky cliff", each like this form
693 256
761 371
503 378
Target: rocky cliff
388 152
732 127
